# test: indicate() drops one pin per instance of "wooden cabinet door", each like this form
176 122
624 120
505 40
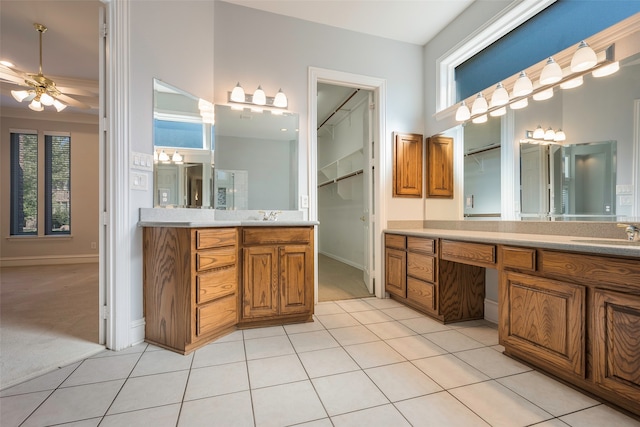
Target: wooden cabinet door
616 342
440 166
296 279
396 272
543 320
407 165
260 281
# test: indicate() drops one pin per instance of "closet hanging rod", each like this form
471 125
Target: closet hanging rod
358 172
338 109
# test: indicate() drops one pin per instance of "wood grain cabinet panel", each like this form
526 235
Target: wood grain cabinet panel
519 258
421 267
296 296
616 343
479 254
544 320
407 165
396 272
440 167
422 293
260 282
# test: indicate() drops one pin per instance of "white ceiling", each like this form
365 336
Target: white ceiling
70 45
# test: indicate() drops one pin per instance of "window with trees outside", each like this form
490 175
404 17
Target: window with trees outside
29 206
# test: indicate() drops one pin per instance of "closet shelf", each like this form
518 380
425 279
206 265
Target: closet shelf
340 178
344 167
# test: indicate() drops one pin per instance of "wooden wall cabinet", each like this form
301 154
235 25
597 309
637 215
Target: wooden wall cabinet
190 285
439 167
277 275
407 165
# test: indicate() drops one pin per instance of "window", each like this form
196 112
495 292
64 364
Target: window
26 177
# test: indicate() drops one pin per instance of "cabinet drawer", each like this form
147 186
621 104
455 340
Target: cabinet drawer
592 268
519 258
214 258
421 266
216 284
422 293
472 253
420 244
275 235
395 241
216 315
215 237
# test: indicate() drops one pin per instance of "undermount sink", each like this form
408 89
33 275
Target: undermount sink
607 242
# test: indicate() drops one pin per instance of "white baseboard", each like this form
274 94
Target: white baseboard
136 331
345 261
48 260
491 311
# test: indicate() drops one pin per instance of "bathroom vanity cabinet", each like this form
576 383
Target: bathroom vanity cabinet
203 282
575 315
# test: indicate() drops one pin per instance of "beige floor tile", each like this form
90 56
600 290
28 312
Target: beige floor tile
353 335
325 422
92 422
331 361
353 305
158 362
453 341
348 392
370 316
325 308
75 403
388 330
15 409
268 347
48 381
163 416
483 399
311 341
381 303
149 391
402 381
227 410
287 404
438 409
233 336
449 371
379 416
372 354
549 394
487 335
102 369
299 328
415 347
275 370
340 320
270 331
424 325
599 416
492 363
138 348
402 313
219 354
216 380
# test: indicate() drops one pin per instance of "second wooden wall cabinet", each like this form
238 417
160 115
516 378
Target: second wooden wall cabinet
407 165
440 166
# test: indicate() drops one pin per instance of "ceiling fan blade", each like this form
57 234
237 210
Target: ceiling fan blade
75 91
10 75
72 102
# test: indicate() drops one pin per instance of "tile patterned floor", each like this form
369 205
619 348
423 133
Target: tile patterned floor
365 362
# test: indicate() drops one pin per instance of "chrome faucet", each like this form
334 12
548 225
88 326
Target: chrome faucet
272 216
633 232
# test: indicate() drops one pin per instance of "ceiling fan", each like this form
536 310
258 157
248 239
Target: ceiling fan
41 91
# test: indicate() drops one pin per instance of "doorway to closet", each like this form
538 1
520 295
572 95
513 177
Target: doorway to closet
344 188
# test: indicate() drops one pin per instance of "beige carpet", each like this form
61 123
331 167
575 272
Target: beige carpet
48 319
338 281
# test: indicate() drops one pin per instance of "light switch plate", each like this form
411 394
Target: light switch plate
141 161
139 181
304 201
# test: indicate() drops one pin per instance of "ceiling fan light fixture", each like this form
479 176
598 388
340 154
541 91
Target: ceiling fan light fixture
59 105
46 99
35 105
20 95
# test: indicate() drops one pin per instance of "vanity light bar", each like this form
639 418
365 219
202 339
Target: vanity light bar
257 98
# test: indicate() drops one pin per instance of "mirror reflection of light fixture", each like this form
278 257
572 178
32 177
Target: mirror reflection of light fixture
463 113
540 136
498 112
519 104
560 136
259 98
538 133
480 119
163 157
543 95
551 73
570 84
584 58
176 158
607 70
549 135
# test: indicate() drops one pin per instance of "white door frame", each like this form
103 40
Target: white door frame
379 89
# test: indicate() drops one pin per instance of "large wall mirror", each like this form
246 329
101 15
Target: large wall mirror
589 176
219 157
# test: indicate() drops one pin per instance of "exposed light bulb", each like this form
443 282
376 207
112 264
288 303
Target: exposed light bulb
280 100
479 105
584 58
46 99
19 95
570 84
500 96
523 86
551 73
463 113
607 70
259 97
237 94
542 95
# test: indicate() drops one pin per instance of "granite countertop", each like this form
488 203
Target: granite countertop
227 223
603 246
